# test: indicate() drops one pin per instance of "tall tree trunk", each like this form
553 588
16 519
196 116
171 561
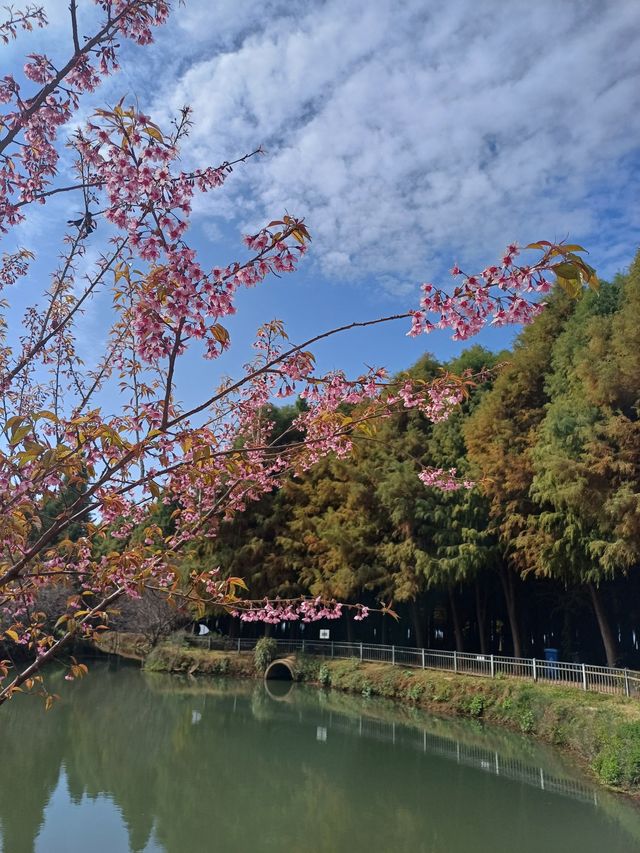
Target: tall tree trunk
481 617
566 636
418 629
508 586
457 628
349 626
608 639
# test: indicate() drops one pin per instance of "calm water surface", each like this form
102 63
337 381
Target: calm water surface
135 762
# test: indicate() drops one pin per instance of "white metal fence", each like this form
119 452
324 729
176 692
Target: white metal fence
601 679
482 758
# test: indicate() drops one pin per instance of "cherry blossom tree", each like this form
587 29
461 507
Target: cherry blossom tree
206 461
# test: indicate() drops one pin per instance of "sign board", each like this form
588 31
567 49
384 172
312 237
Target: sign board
324 633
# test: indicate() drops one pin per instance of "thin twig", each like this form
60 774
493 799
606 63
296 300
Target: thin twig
74 25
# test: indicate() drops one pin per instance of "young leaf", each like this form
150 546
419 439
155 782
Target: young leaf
566 270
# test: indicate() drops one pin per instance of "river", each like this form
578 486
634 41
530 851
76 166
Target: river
129 761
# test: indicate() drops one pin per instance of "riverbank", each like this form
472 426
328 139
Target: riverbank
601 732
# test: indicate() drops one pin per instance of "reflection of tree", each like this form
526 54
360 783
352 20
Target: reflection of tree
222 779
120 744
29 768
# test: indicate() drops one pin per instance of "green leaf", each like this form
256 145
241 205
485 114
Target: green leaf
573 247
153 131
566 270
220 334
592 278
539 245
14 421
19 433
571 286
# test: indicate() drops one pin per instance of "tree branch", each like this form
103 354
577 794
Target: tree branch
51 652
74 26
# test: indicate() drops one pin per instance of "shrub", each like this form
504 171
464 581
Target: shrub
527 720
608 766
221 666
618 762
265 651
442 695
476 706
324 676
415 691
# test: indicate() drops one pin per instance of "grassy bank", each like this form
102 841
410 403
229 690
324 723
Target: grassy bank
602 732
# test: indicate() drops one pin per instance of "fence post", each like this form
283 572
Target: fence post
455 661
535 671
303 647
332 648
360 651
393 655
584 677
627 692
493 668
423 658
238 644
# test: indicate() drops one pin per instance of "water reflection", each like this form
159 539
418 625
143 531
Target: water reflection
482 758
278 690
159 765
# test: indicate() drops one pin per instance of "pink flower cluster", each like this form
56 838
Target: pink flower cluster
36 117
293 610
498 295
361 613
447 481
151 202
13 266
436 402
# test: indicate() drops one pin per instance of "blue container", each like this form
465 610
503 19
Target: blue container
551 668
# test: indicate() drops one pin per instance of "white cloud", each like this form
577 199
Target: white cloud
412 132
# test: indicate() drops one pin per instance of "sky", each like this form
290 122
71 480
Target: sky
410 134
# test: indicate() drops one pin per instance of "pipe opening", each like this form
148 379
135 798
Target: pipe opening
279 671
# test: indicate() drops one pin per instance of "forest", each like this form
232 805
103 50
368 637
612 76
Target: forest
543 551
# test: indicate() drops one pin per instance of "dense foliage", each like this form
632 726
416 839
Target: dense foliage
543 551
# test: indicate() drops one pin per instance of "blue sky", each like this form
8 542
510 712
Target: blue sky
410 134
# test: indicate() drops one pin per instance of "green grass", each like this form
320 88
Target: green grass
172 658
